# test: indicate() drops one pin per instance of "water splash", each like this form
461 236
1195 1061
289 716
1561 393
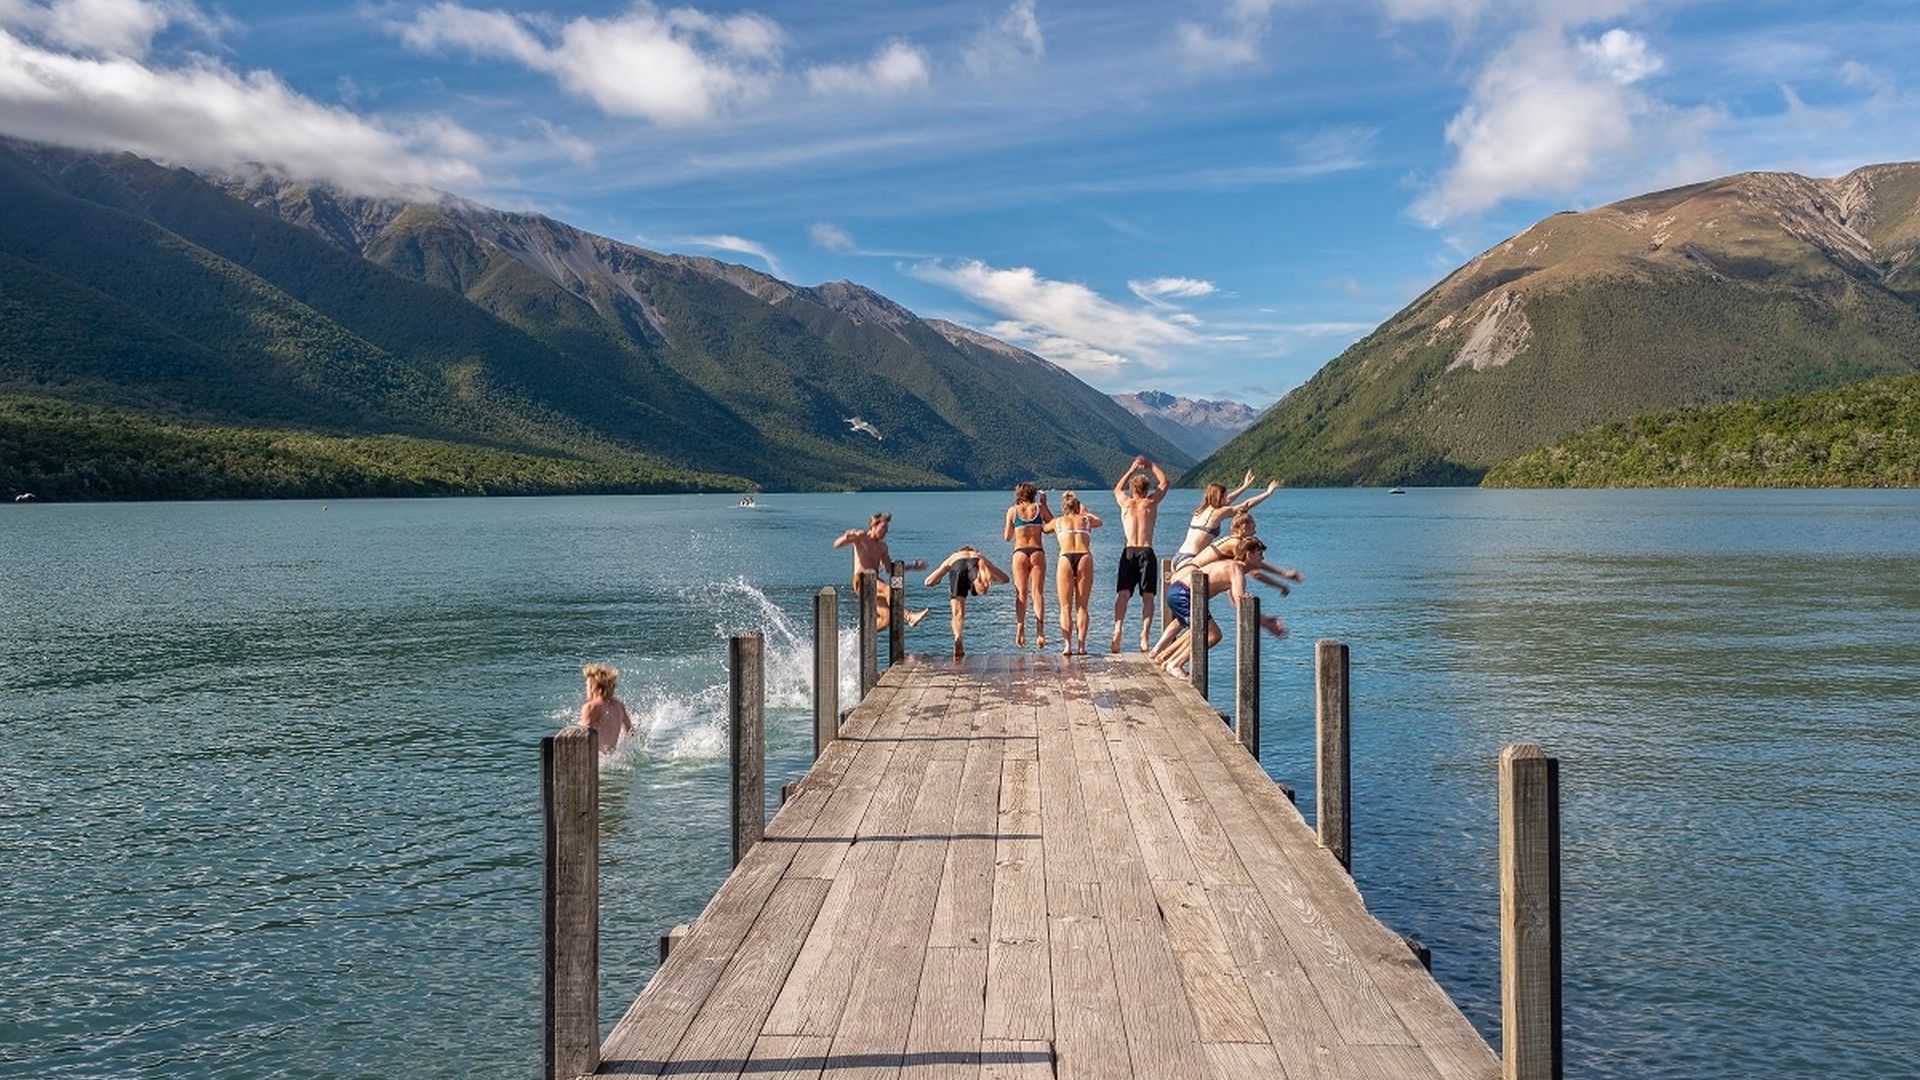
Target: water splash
675 723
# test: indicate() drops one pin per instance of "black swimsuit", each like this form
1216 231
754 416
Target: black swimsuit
965 573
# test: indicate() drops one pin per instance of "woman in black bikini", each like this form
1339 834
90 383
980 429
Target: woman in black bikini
972 574
1026 520
1075 528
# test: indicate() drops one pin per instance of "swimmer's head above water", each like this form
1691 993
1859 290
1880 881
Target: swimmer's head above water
602 679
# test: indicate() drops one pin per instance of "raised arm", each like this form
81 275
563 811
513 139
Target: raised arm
1159 478
846 538
1255 500
1120 485
1245 483
1007 531
1093 520
939 572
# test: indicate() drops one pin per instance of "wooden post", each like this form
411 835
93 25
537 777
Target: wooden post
672 938
570 799
746 720
1333 787
1246 676
1197 604
896 613
869 635
826 669
1529 913
1166 579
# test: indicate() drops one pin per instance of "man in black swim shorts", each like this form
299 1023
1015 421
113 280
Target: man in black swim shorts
1139 569
970 574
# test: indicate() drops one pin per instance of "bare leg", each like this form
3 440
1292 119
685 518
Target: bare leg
959 624
1083 603
1021 582
1148 601
1119 618
1063 579
1037 596
882 604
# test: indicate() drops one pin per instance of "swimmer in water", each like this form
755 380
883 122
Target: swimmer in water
603 712
972 574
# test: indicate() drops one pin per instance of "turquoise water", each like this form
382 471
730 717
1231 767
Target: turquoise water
269 805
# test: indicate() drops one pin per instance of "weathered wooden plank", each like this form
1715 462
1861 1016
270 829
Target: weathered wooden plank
874 1026
787 1057
963 911
1223 1008
1019 977
944 1042
1162 848
1087 1042
1003 1059
1062 814
1243 1061
724 1031
876 739
1296 1018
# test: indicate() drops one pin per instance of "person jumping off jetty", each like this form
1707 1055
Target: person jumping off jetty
870 553
973 573
1139 565
1024 526
605 714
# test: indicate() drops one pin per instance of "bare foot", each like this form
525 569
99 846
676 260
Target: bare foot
1040 642
1145 645
914 617
1116 640
1020 635
959 650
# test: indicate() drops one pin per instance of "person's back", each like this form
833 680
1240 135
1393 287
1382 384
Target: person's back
603 712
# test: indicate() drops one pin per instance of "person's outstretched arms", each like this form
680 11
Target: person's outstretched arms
1245 483
1120 485
846 538
1160 478
939 572
1255 500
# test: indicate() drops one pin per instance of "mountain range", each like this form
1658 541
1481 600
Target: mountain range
1749 286
1196 425
252 301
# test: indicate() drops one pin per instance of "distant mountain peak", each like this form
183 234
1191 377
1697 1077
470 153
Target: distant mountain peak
1196 425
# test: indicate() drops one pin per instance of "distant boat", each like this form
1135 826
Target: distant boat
747 503
1398 491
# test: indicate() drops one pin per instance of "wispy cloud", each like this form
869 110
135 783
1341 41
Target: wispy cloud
1012 40
1064 321
75 73
738 245
829 237
1232 39
895 68
1159 291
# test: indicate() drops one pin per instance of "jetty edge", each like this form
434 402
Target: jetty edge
1036 866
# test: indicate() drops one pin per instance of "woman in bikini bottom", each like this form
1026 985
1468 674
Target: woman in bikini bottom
1074 526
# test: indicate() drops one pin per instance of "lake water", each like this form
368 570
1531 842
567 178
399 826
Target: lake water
269 797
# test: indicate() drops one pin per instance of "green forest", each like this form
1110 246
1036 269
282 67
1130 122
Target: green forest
1864 434
60 451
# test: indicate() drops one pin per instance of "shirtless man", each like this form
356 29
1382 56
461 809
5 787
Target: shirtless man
870 553
1139 566
973 573
603 712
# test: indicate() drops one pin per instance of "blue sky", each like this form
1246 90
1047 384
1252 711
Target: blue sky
1212 198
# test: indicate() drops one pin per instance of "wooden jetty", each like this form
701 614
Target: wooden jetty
1034 866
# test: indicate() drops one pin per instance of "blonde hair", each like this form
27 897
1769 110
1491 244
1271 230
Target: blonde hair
1140 483
603 677
1070 503
1242 523
1215 496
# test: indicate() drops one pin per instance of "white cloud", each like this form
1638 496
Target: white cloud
739 245
1064 321
680 66
1233 40
1621 55
894 68
1009 41
829 237
1158 291
204 115
1544 116
105 27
